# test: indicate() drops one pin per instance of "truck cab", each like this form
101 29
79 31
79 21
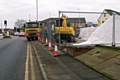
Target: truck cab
32 30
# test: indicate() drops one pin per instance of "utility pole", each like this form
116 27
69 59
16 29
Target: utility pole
37 10
79 16
29 17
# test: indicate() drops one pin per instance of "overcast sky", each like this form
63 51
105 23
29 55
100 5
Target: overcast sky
11 10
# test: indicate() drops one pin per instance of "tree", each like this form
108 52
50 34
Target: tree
19 24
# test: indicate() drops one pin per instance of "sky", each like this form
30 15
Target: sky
11 10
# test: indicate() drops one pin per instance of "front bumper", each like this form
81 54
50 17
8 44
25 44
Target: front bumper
32 36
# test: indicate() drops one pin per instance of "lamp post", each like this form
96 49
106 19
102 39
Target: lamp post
79 16
37 10
29 17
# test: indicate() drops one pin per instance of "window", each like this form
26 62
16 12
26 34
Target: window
32 25
57 22
102 21
105 15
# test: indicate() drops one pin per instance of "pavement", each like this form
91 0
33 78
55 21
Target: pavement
64 67
105 60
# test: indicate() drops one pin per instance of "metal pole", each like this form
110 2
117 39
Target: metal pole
29 17
37 10
59 29
79 17
49 27
81 12
113 35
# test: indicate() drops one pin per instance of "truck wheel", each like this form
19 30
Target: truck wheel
32 38
28 39
36 38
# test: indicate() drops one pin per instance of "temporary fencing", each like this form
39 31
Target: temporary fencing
46 43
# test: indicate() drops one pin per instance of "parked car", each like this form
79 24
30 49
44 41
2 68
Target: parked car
16 33
21 34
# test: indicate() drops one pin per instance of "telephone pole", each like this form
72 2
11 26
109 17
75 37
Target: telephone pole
37 10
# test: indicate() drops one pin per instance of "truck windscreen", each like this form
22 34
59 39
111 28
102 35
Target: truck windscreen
32 25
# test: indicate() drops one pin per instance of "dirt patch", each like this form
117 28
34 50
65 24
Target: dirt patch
107 55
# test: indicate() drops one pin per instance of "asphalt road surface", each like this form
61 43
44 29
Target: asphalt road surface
18 60
12 58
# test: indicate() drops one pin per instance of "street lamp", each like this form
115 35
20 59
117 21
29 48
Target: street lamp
79 16
29 17
37 10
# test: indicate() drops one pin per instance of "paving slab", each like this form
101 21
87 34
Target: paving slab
113 71
118 57
106 64
92 61
94 51
106 61
82 57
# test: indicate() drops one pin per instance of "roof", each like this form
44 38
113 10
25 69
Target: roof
31 22
110 12
74 20
77 20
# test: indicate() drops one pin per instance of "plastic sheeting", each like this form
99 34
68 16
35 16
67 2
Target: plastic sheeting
104 34
86 32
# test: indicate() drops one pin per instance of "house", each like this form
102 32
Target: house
89 24
104 17
11 31
78 22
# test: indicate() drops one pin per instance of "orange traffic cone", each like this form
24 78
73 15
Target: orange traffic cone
55 50
50 47
42 40
46 43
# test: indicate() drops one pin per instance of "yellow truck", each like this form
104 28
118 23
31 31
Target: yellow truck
32 30
66 32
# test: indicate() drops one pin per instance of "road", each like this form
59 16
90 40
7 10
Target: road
18 62
12 58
